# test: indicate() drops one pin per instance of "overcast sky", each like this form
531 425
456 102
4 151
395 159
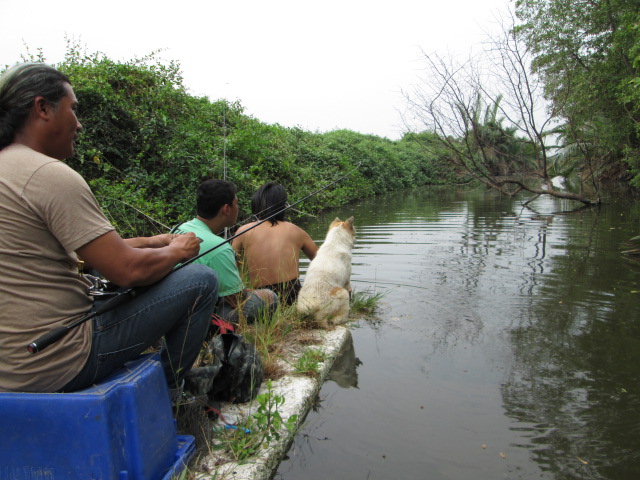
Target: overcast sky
319 65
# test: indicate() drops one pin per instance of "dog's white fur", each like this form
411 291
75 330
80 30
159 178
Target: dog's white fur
326 287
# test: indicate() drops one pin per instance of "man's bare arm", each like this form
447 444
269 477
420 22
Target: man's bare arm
157 241
127 266
309 247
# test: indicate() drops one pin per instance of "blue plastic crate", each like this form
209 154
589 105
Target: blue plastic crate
186 449
121 429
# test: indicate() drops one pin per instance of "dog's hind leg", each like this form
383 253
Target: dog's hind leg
341 306
325 312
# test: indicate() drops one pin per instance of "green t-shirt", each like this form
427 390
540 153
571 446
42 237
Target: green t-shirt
222 259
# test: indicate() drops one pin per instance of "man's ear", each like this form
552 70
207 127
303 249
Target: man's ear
42 107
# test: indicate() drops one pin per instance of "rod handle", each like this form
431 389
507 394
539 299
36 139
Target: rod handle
47 339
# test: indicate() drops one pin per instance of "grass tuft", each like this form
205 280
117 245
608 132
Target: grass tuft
278 338
309 363
366 302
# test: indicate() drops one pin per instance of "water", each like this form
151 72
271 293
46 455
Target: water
507 344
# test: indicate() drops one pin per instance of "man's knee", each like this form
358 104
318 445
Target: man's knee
259 301
268 297
201 276
202 273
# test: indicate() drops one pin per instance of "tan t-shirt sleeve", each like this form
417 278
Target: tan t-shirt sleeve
74 218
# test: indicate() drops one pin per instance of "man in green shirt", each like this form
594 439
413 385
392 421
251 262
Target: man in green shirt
217 209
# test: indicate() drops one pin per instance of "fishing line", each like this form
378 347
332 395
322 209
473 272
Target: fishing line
254 217
224 151
265 219
53 336
290 206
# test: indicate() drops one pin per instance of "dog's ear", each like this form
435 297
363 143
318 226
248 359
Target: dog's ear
335 223
348 225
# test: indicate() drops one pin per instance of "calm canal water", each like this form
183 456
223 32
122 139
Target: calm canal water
507 344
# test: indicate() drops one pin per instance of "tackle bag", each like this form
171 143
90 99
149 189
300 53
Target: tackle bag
235 375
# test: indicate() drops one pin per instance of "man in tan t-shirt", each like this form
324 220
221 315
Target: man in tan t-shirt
49 218
271 250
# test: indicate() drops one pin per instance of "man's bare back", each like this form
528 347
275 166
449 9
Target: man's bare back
272 252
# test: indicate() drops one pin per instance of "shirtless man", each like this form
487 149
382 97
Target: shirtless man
272 249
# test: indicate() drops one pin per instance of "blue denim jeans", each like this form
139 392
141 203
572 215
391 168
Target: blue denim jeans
177 308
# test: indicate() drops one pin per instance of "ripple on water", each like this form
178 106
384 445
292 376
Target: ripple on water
507 345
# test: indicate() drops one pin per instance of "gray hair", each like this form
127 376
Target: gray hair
19 86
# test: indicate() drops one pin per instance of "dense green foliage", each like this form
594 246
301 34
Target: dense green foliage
147 143
588 55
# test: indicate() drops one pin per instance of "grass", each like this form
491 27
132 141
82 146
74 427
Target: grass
263 426
365 303
278 338
309 363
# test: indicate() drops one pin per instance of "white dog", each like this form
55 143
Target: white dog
326 287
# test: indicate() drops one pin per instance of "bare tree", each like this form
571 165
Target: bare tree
490 114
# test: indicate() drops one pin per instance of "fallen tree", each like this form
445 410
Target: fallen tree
490 115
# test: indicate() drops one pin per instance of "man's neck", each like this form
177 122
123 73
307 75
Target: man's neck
215 224
30 144
34 137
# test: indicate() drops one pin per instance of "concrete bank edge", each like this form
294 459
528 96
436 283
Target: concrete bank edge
299 393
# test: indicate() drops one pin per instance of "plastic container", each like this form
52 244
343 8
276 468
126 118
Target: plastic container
121 429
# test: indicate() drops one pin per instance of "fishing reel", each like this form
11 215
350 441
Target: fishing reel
100 287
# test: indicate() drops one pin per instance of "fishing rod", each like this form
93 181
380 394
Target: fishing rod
121 297
264 220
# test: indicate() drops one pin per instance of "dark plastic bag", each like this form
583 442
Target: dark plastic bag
235 375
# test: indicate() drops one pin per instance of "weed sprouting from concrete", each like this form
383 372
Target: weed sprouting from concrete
309 363
244 439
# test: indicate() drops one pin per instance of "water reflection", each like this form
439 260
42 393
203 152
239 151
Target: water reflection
576 354
508 345
344 368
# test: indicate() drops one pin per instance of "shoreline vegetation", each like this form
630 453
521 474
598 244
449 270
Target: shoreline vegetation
288 346
148 142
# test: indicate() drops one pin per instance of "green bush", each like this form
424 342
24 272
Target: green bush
147 143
